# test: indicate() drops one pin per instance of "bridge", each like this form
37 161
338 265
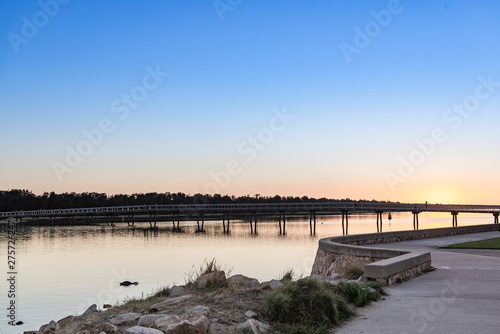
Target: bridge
225 212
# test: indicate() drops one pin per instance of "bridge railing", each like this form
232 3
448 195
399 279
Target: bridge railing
326 207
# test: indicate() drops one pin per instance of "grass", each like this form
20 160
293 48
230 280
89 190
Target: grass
207 267
305 302
310 306
287 276
481 244
354 271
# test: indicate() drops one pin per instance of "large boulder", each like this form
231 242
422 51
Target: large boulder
195 324
92 308
149 320
107 328
274 284
49 328
176 291
217 278
125 319
142 330
198 310
66 320
242 281
166 320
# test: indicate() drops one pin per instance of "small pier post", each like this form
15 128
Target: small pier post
279 221
345 215
454 219
379 221
312 222
415 220
225 216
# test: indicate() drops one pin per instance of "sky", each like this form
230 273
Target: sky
386 100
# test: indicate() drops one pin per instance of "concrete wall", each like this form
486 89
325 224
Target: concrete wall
336 254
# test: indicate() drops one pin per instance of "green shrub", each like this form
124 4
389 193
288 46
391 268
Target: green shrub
305 301
358 294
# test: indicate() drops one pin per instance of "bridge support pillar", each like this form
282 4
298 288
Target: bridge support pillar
202 217
312 219
224 217
495 215
253 218
345 215
282 214
415 219
454 218
379 221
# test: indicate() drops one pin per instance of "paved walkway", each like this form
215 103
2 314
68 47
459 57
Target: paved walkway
461 296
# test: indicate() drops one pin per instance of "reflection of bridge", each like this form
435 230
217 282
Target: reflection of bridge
225 212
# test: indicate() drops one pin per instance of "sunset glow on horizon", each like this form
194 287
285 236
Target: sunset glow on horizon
385 100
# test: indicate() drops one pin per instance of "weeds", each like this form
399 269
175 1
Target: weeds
287 276
161 292
359 294
305 302
354 271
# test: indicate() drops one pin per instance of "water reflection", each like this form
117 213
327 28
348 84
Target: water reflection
64 269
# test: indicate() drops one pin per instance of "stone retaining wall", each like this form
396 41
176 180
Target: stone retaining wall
336 254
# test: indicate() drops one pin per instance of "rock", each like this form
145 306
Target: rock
198 310
168 302
106 306
176 291
149 320
142 330
196 324
31 332
66 320
51 327
274 284
166 320
83 332
215 277
92 308
361 279
102 333
125 319
107 328
242 281
250 314
253 325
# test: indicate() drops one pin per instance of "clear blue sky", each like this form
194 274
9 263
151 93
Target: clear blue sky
68 66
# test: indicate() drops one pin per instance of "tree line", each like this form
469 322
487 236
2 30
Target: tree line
20 199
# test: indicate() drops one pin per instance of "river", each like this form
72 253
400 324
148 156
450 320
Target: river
61 270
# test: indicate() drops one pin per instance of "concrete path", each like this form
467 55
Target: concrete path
461 296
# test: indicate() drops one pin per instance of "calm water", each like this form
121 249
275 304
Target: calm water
62 270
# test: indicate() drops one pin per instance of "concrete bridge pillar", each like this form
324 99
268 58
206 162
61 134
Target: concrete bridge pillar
312 219
345 215
379 216
454 219
282 214
415 219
